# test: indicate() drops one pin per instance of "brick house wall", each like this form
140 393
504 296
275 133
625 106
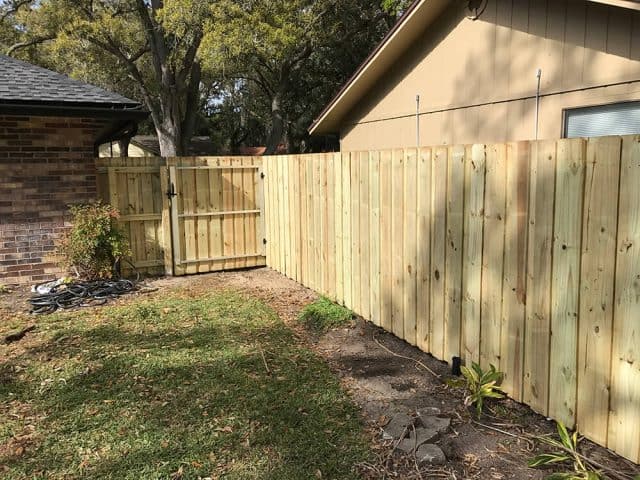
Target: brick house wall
46 163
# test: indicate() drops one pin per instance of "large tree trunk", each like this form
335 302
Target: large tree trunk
277 124
170 135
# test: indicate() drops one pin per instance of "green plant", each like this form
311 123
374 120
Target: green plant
323 315
4 289
94 241
481 384
566 451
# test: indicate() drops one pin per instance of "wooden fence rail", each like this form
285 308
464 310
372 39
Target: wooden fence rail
523 255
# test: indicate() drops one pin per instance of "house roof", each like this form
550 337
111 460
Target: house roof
415 20
24 84
199 146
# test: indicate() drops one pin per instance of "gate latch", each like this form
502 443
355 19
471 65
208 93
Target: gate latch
172 191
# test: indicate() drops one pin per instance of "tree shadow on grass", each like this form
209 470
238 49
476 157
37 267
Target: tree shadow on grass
199 399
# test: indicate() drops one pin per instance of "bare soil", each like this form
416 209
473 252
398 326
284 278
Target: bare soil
383 375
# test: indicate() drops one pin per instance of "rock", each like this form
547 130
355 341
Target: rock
428 412
438 424
406 445
429 454
424 435
398 427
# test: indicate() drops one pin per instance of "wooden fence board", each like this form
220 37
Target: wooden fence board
596 286
454 252
356 282
201 203
397 242
624 420
323 220
331 227
347 249
492 264
538 307
515 267
365 241
565 287
410 249
385 241
438 250
475 165
423 258
339 206
374 238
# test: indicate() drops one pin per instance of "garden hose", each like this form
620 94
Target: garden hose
83 293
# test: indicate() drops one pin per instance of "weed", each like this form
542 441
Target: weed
323 315
481 385
4 289
566 451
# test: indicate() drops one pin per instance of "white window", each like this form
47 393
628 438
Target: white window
613 119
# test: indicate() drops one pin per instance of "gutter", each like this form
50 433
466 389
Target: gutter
133 112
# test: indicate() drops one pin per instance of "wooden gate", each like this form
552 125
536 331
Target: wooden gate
217 220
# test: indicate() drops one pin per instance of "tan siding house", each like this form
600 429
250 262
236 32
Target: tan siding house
476 78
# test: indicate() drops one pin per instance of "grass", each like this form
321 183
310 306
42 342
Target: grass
323 315
174 388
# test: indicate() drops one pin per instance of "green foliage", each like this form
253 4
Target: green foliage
481 385
4 289
95 241
396 7
298 54
566 450
323 315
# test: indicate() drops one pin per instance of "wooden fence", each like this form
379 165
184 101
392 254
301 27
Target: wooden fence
523 255
136 186
190 214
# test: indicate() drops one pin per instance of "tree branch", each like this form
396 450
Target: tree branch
28 43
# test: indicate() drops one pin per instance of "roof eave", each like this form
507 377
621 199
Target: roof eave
96 110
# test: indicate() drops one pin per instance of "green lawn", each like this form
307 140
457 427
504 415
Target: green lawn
173 388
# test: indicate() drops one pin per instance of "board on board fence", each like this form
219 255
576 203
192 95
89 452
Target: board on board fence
523 255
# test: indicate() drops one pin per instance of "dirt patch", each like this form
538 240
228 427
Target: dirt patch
383 376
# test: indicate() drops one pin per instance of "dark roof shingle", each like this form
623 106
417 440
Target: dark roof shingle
24 82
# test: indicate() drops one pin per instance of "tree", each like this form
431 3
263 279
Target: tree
153 43
296 52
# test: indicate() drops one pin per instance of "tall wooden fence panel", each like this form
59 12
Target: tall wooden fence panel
523 255
136 187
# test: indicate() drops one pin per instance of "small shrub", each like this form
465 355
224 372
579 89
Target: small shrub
566 450
481 384
94 242
323 315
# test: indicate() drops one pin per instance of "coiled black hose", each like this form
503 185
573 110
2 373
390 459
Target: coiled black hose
82 293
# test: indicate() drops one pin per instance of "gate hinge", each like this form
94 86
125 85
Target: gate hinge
262 175
264 241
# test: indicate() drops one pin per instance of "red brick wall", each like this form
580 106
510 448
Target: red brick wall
46 163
